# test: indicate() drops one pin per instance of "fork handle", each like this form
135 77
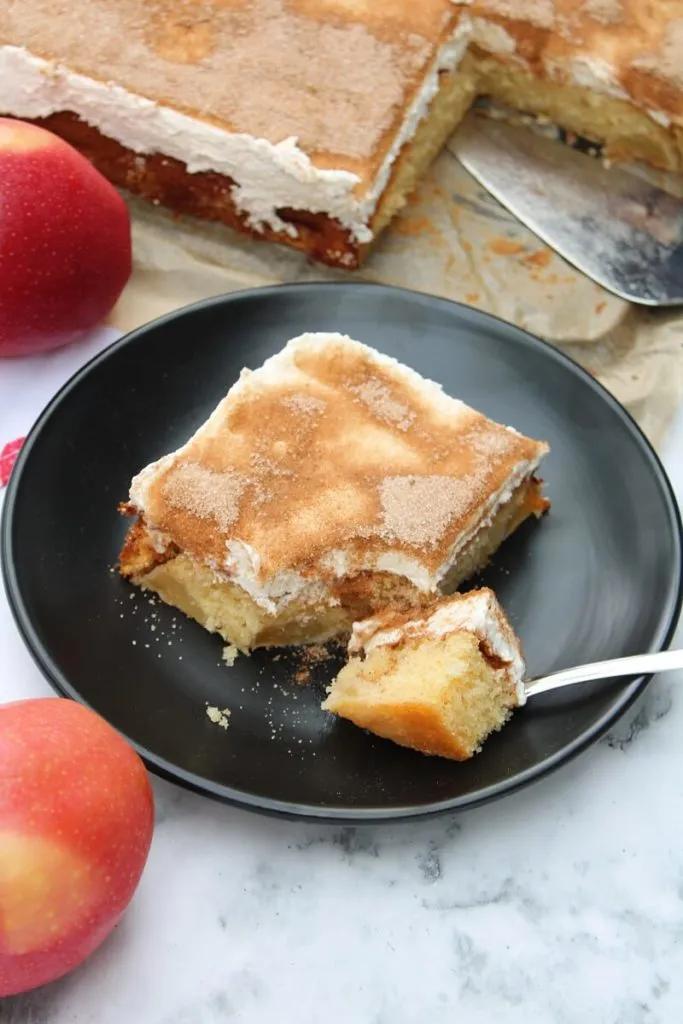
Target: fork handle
636 665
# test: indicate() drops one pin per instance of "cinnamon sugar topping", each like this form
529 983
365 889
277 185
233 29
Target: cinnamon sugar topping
607 12
332 455
204 493
378 399
417 509
540 13
489 445
334 75
305 404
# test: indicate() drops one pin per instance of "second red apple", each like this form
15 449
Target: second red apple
76 816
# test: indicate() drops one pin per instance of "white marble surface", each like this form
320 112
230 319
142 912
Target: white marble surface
560 904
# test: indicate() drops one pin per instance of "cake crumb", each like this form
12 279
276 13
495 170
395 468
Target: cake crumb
218 716
229 654
311 655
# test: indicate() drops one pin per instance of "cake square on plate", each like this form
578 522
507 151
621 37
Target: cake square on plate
328 484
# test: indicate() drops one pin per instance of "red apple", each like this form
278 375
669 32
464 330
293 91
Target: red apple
76 817
64 241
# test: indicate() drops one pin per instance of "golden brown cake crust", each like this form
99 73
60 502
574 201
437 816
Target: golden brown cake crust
138 554
413 725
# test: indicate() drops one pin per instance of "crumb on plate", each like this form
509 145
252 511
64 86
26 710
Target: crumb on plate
218 716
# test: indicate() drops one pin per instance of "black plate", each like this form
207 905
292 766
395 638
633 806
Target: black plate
597 578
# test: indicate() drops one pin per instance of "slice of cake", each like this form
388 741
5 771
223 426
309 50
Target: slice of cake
328 484
439 681
299 121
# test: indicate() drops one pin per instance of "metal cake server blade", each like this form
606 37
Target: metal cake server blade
618 229
634 665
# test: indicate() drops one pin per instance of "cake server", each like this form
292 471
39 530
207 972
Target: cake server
635 665
614 226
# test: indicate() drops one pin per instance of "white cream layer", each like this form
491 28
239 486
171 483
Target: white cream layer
242 563
478 613
267 175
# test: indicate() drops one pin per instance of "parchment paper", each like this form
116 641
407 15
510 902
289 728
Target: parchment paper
452 240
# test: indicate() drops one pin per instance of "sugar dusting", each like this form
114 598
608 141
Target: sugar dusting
305 404
266 67
305 661
204 492
389 461
265 466
488 446
378 399
540 13
418 509
606 12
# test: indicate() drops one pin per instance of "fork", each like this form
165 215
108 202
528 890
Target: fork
635 665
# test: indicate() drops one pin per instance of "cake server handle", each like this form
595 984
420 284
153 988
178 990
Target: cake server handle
636 665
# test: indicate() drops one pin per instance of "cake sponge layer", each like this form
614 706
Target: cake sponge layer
439 682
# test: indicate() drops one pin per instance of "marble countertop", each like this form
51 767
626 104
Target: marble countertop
562 903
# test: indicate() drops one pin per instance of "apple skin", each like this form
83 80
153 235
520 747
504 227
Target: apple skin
76 820
65 249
